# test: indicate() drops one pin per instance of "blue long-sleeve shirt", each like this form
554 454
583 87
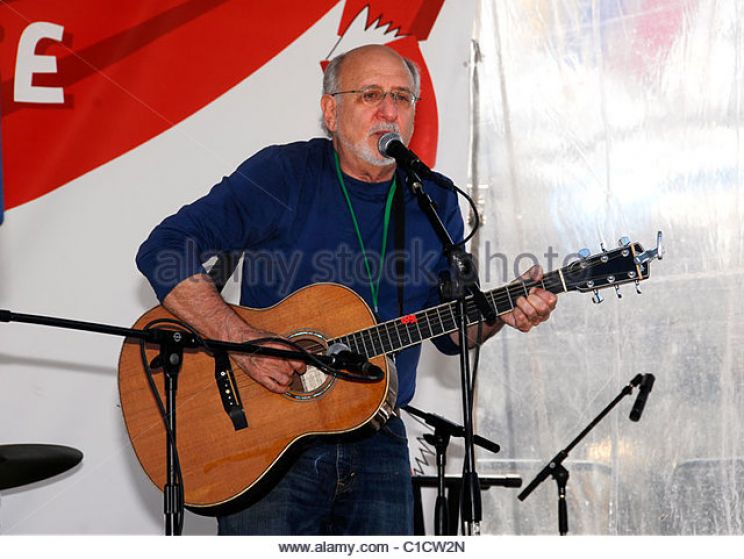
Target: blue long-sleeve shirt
285 210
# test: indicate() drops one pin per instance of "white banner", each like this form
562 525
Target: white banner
112 118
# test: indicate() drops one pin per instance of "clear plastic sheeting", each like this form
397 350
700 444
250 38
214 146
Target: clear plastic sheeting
594 119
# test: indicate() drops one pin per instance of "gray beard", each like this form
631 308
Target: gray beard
364 152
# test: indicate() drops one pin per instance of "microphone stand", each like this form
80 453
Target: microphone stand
172 342
443 430
461 280
555 467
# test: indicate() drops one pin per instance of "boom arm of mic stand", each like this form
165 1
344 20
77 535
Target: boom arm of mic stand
452 429
555 467
182 338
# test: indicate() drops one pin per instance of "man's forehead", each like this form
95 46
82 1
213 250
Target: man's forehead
369 67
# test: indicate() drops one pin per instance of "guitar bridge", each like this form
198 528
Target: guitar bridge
223 375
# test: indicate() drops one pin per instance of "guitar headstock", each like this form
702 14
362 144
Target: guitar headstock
629 263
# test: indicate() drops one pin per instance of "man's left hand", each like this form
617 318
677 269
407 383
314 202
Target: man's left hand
533 309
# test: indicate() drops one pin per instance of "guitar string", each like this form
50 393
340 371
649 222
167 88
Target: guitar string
551 282
408 331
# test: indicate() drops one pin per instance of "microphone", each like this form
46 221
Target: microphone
643 391
390 145
343 358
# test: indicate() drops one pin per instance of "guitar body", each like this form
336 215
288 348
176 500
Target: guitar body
220 463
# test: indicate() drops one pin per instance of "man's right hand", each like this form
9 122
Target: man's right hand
270 372
196 301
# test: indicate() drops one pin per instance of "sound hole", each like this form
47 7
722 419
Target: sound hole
314 382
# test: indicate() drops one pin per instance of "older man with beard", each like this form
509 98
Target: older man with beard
327 207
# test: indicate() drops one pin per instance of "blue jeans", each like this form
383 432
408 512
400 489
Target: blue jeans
357 487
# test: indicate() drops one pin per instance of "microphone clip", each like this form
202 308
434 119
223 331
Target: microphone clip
358 367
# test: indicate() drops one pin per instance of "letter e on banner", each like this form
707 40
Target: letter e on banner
29 63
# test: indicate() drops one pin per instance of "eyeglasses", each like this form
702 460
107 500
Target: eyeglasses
373 96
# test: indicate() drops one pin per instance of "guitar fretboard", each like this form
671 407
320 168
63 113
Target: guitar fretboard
412 329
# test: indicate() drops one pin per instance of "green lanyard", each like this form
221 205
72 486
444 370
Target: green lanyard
374 287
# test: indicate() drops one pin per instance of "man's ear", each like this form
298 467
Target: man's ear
328 106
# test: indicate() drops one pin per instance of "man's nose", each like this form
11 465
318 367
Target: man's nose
387 108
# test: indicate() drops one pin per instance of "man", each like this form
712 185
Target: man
320 203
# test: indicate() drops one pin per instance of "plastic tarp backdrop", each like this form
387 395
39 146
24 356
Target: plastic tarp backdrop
596 119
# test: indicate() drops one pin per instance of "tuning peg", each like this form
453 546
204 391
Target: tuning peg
597 297
617 292
623 242
659 245
602 246
584 253
657 252
638 288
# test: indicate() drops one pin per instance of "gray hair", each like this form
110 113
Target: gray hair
331 85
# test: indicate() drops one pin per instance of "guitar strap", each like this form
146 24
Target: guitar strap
223 269
388 408
228 390
399 231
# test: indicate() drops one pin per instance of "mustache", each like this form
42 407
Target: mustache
384 127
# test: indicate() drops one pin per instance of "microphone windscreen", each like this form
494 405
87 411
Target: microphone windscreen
385 140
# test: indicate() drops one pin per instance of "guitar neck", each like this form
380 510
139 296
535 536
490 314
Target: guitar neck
412 329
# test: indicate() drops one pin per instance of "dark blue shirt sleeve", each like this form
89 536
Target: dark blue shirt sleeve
239 213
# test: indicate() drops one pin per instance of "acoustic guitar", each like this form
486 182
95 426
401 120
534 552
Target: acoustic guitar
232 432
